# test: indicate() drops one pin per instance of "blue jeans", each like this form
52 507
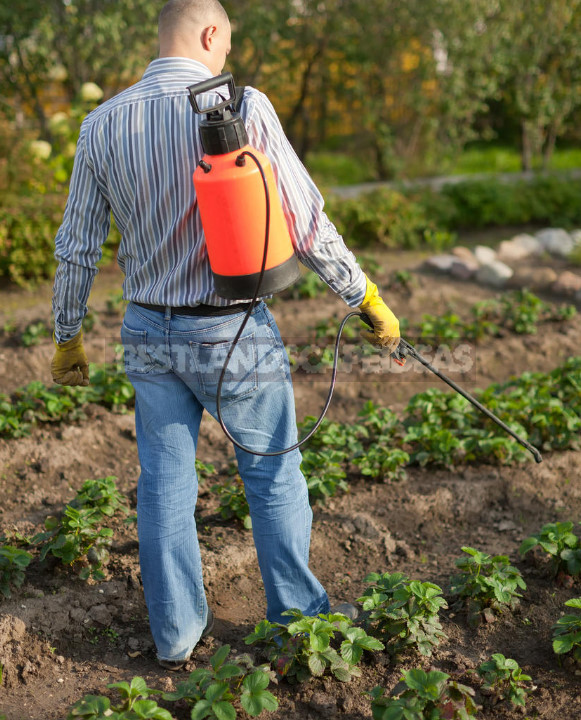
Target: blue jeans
174 363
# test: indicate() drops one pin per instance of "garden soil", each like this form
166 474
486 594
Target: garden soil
62 638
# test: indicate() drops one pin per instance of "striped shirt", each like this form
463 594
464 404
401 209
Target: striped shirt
135 158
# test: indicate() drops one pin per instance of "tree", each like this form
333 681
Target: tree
542 76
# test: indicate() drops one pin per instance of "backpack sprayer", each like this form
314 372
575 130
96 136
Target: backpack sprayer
246 262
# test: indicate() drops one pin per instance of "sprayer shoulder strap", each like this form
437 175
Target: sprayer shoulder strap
239 97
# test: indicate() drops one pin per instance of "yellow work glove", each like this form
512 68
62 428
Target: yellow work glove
385 324
69 364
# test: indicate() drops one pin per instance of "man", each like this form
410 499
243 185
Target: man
135 158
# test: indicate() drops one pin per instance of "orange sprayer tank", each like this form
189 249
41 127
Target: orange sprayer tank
231 198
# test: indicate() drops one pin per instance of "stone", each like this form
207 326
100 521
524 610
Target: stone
556 241
567 284
519 248
484 254
101 615
464 269
495 273
576 237
463 253
443 263
536 278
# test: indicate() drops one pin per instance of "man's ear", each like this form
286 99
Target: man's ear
207 37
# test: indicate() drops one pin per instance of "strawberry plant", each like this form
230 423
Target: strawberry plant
561 545
13 563
486 583
505 678
303 648
135 704
213 691
422 696
77 540
323 472
403 614
233 501
102 496
204 470
34 333
567 632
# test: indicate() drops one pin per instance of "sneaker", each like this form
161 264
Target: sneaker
347 609
175 665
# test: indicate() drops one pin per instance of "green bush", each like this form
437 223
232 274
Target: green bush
547 199
420 217
28 226
389 217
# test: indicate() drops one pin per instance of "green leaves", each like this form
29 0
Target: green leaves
402 613
424 696
13 563
560 543
233 503
307 646
134 706
505 677
567 632
486 582
212 693
77 537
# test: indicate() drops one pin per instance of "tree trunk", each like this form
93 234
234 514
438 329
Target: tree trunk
526 149
549 148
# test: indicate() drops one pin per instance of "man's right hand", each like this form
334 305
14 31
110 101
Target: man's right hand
69 364
385 324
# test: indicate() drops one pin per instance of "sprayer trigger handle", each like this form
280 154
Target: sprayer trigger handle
401 351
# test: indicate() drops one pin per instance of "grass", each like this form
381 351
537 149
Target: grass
336 168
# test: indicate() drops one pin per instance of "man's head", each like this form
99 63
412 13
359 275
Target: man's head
197 29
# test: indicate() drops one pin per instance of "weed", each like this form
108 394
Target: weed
486 582
303 648
567 632
505 677
424 695
402 613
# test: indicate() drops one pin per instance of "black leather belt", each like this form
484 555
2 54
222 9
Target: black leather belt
209 310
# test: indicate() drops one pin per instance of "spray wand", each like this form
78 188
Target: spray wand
405 349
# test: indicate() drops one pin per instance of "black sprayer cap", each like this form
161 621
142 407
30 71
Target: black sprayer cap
222 131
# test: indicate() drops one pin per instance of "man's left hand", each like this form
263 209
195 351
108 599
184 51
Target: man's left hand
69 364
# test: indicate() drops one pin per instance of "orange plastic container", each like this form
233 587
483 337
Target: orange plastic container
232 204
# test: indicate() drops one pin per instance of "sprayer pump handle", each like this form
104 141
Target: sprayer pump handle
211 84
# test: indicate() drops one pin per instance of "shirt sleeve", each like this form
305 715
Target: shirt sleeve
317 243
84 229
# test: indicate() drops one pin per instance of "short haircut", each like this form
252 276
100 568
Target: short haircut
175 13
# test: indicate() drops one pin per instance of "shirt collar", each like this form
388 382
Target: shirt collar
173 65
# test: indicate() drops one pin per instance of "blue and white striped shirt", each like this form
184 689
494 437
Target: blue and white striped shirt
135 158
